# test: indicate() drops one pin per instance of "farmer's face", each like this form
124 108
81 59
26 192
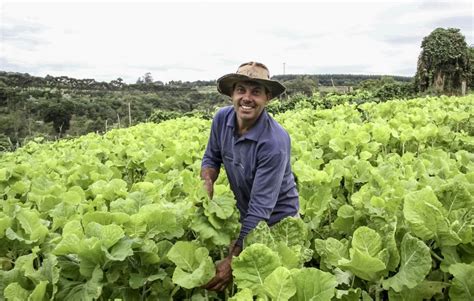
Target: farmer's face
249 99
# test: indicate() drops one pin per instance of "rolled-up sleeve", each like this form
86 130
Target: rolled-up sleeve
265 190
212 156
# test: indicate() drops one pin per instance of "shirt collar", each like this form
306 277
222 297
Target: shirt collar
257 129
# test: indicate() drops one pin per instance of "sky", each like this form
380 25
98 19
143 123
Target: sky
203 40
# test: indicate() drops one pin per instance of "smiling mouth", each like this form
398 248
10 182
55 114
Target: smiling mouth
246 107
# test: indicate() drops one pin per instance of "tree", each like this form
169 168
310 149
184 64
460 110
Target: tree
443 64
301 84
387 88
145 79
59 112
117 83
471 59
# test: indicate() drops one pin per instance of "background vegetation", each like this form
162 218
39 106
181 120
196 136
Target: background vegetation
58 107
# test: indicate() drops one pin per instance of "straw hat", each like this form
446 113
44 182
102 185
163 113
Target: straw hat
251 71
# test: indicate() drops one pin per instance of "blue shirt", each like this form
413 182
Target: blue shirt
257 166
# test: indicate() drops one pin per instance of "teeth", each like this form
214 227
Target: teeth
246 107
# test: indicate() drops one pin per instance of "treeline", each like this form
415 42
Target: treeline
339 79
146 83
24 80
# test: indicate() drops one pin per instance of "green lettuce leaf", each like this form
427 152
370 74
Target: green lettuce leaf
313 284
161 223
424 213
290 256
291 230
69 244
220 206
261 234
5 223
39 292
363 265
73 227
109 190
389 240
253 265
105 218
15 292
79 291
460 221
279 284
450 256
31 224
414 266
194 266
345 219
148 252
367 240
139 280
331 250
243 295
109 235
462 287
121 250
289 238
454 195
367 258
424 291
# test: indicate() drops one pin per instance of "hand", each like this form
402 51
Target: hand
223 276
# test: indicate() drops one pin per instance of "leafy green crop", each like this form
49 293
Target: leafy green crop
386 205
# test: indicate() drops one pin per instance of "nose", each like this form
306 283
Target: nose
247 96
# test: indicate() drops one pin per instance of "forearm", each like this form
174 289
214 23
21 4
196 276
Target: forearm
209 174
248 224
234 250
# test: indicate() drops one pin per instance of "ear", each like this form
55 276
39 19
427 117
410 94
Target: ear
269 96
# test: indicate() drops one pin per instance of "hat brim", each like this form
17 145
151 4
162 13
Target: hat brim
226 83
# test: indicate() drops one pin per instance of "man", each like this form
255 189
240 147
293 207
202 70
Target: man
255 151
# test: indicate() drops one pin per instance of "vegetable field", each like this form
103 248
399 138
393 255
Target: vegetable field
386 194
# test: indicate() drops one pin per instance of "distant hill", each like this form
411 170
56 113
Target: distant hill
23 80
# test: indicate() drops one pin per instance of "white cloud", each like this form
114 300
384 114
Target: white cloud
204 40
